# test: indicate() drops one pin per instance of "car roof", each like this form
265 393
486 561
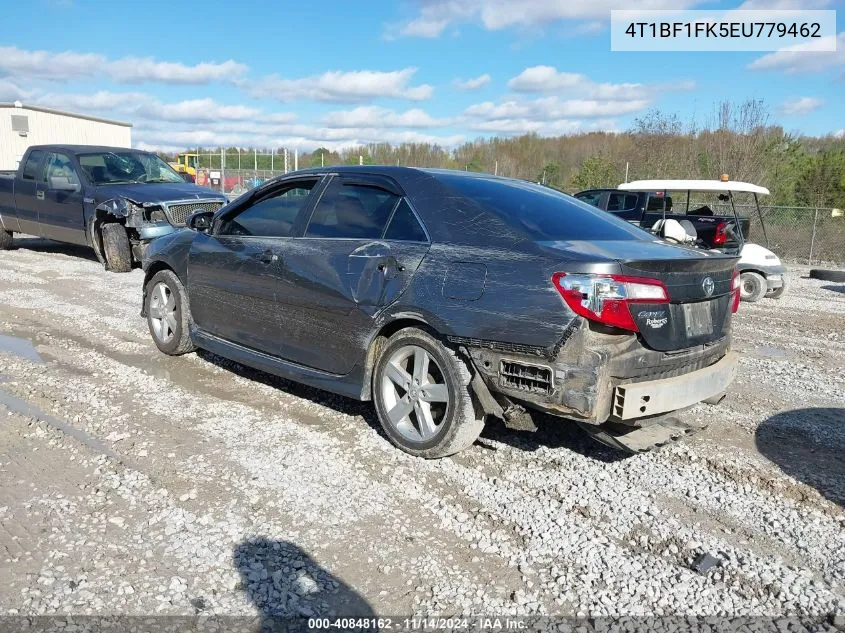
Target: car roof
86 149
692 185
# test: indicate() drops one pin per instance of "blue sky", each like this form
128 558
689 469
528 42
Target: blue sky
303 74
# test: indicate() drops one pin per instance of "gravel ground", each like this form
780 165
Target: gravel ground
135 483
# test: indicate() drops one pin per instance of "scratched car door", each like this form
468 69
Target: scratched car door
344 270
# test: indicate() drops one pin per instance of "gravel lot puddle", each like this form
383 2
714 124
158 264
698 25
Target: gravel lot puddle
16 405
19 347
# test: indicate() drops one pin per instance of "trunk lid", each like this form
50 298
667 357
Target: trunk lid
698 283
699 308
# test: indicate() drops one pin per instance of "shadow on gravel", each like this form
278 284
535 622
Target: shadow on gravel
839 288
809 445
552 432
40 245
285 582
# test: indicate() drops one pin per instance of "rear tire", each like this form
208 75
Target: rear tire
752 287
168 313
422 396
116 248
6 240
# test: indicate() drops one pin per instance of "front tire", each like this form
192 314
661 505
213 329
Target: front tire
6 240
777 293
752 287
422 396
168 313
116 248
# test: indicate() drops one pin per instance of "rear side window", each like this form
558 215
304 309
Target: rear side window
543 213
621 201
272 216
404 225
30 170
351 211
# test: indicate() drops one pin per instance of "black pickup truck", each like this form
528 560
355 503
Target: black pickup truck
644 208
112 199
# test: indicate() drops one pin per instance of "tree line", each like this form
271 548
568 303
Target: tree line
735 139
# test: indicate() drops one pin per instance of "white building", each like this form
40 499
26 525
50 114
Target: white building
25 125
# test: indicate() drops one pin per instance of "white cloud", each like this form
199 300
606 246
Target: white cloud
143 106
436 15
375 116
839 133
805 57
304 137
801 105
11 91
549 79
472 84
552 108
70 65
345 87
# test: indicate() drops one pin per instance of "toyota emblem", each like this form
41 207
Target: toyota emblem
708 285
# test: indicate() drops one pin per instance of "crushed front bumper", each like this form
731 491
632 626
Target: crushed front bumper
594 377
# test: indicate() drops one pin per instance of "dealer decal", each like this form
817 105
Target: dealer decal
655 320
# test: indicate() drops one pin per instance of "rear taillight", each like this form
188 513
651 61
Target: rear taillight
721 236
735 291
605 298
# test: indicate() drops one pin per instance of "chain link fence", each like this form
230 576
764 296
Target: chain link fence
804 235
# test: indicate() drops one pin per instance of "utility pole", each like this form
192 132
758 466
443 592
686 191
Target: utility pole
360 159
222 170
296 159
272 156
286 160
322 159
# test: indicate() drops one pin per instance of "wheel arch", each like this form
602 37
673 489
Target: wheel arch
377 342
152 269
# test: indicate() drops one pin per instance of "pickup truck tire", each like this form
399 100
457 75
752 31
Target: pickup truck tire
752 287
116 248
6 240
828 275
168 313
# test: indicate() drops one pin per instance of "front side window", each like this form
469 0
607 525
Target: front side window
113 168
30 170
271 216
590 197
355 211
59 166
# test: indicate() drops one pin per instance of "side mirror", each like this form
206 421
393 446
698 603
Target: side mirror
63 183
200 221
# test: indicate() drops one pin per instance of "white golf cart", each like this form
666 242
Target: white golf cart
762 273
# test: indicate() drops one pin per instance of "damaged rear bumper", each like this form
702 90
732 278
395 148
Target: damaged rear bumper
595 377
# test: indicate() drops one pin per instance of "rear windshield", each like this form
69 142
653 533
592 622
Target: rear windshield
544 213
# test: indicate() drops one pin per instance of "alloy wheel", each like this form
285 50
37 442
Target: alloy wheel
414 393
162 313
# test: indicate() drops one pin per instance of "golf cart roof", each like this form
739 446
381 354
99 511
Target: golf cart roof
692 185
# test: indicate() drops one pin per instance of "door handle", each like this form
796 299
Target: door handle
39 195
267 257
390 264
